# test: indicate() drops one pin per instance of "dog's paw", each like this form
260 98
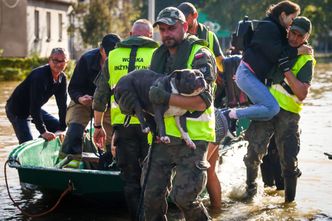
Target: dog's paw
146 130
190 144
165 139
188 141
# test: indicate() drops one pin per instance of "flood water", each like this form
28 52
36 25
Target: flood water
314 194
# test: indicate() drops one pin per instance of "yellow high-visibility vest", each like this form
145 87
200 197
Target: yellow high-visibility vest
118 62
287 101
201 128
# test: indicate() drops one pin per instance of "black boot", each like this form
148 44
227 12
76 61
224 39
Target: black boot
251 189
73 141
290 188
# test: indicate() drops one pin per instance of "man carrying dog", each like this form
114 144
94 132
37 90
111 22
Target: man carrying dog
179 51
131 143
290 87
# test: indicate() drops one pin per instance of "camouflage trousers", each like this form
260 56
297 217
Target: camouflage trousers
131 149
174 168
285 127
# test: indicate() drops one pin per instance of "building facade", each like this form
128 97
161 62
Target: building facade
29 27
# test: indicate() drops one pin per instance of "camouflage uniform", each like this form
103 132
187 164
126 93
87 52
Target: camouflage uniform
174 168
285 127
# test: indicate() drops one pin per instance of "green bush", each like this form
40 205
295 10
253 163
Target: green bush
11 74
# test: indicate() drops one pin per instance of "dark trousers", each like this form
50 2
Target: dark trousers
271 169
131 149
22 125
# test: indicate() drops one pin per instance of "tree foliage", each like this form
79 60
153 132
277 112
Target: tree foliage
104 16
227 13
100 17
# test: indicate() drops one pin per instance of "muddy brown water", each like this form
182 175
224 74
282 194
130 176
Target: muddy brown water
314 194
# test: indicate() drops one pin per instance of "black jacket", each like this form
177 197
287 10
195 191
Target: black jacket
30 95
268 44
86 70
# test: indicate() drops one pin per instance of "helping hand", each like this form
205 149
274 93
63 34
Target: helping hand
99 137
158 95
85 100
48 135
305 49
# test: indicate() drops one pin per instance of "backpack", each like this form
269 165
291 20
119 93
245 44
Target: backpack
242 36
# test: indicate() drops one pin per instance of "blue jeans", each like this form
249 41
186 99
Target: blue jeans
264 105
22 125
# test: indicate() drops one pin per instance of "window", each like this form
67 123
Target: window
36 25
48 26
60 27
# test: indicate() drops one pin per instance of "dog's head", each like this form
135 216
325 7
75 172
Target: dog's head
189 82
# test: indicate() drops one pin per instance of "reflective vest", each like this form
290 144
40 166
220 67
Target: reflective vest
201 128
210 41
287 101
118 62
207 35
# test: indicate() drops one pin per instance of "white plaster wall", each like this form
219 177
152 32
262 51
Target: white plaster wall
43 45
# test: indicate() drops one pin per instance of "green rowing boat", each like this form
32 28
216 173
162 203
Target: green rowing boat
36 162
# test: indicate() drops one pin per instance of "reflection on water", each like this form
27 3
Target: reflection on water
313 200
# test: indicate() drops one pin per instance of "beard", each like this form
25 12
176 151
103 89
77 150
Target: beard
170 42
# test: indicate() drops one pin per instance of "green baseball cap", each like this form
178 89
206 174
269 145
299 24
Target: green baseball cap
170 16
301 24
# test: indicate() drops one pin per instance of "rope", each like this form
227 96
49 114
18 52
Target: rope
11 6
140 210
65 192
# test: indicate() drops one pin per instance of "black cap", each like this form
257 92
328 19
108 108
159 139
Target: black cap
301 24
187 8
109 41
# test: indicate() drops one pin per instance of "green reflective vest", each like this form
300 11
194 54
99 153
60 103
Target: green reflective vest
118 62
201 128
287 101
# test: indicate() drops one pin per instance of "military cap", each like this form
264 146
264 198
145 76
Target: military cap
170 16
301 24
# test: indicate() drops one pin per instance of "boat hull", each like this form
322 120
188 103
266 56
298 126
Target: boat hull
35 161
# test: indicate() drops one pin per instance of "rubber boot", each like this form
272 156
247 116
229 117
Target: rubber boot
290 188
73 141
251 189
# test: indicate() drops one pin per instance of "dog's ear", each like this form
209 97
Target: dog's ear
198 72
176 74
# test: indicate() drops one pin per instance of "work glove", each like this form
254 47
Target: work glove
127 103
284 64
158 95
